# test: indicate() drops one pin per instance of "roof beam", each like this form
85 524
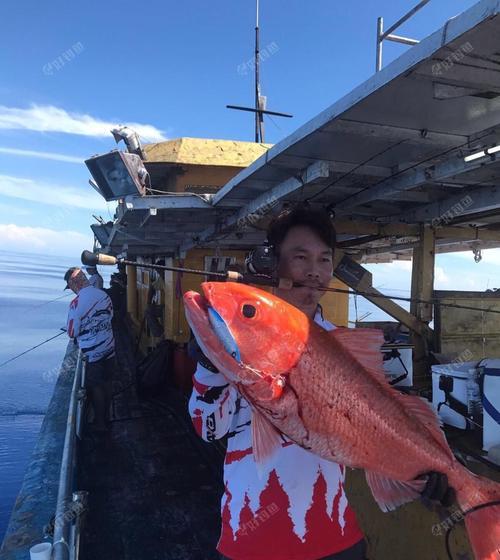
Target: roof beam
297 161
261 205
452 208
412 178
168 201
358 278
442 246
360 228
394 133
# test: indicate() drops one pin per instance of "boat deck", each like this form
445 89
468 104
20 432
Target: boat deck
154 486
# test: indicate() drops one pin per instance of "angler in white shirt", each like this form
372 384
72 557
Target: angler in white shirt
89 322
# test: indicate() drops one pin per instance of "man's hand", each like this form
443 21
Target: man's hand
437 489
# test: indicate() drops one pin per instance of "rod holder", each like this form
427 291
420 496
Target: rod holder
92 259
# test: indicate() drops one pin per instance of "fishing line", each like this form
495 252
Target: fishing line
472 510
32 348
52 300
399 298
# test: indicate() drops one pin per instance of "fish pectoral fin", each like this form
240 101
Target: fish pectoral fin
265 438
389 493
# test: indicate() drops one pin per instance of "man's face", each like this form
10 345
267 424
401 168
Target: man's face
306 259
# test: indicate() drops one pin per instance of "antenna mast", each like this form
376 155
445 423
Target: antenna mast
259 109
259 119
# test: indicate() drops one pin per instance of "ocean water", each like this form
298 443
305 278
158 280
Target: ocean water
27 283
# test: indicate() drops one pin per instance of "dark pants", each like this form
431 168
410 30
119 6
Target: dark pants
100 372
98 382
356 552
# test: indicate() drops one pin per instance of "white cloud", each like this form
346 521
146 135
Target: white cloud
41 155
44 240
47 118
46 193
12 209
401 265
440 278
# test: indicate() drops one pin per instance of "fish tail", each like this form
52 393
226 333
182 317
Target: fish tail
480 503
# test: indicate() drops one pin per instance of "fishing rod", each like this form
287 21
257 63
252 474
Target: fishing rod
51 300
92 259
63 331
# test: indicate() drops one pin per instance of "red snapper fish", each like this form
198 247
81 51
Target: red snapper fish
327 392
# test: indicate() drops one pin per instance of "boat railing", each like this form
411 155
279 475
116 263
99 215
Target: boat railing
71 504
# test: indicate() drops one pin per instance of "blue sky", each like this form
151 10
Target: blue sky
72 71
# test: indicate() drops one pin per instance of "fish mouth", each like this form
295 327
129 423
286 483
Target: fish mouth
211 331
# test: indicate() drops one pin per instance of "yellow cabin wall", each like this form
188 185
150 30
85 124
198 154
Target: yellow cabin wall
199 176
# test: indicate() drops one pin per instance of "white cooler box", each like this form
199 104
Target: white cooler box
491 403
460 375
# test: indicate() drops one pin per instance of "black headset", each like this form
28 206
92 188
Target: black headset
262 260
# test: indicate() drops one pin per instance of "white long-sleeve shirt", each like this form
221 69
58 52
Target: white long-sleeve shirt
293 507
89 321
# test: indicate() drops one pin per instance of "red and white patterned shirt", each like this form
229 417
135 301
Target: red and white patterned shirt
293 507
89 321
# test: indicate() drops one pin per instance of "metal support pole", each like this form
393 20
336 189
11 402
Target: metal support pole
406 17
383 35
402 40
258 116
380 28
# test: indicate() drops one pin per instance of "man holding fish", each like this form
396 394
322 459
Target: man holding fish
296 404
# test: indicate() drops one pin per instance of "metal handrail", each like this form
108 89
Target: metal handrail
70 504
388 35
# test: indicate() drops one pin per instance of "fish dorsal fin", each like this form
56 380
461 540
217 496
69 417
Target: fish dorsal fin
364 346
390 494
422 409
265 438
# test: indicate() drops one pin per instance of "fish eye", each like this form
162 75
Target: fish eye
249 311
